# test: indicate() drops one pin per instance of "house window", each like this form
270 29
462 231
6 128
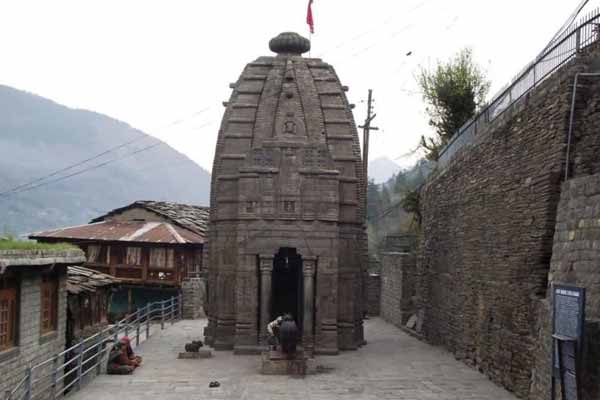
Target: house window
8 313
117 255
49 303
170 258
162 258
134 256
96 254
158 258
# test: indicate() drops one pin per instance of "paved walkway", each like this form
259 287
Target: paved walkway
392 366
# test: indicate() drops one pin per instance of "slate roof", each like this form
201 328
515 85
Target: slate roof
80 279
194 218
113 231
39 258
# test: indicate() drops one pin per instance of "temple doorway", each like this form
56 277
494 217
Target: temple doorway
287 292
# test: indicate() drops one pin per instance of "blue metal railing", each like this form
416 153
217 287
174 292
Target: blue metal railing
69 369
563 49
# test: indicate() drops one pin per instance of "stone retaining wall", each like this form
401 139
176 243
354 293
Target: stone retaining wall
488 228
575 261
397 287
373 294
193 297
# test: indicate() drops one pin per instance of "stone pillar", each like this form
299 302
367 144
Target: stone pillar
326 329
246 324
266 270
308 271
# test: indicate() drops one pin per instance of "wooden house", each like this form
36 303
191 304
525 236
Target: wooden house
150 246
146 242
89 295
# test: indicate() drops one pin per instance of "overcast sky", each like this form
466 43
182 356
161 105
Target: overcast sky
150 63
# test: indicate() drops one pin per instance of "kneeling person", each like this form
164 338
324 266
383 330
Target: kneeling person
122 360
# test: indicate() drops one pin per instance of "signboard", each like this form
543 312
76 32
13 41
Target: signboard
568 319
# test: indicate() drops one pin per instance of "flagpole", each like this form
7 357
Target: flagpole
310 22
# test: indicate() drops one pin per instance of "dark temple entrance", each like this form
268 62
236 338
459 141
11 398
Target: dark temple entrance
287 285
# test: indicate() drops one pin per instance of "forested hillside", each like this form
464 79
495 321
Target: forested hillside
39 136
384 211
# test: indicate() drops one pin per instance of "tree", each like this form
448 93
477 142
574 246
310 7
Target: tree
453 92
411 204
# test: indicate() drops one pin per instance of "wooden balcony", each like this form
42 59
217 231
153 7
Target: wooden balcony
139 274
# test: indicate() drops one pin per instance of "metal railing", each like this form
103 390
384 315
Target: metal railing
566 46
72 367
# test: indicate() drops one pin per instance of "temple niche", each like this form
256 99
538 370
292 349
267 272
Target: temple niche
287 224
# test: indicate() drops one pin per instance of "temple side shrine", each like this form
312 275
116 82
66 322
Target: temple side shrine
287 218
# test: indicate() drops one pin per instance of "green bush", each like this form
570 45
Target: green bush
9 242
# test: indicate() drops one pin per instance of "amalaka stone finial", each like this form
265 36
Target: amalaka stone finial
289 43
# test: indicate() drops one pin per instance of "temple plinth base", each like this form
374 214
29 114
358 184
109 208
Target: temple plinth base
277 363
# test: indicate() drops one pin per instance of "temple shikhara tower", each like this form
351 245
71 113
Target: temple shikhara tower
287 223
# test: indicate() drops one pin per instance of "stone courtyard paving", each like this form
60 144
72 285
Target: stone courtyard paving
393 365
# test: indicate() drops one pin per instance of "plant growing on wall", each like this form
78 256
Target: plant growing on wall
410 204
453 92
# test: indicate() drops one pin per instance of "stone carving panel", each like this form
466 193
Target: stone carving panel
262 157
316 157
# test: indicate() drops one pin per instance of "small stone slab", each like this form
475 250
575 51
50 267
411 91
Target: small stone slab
194 355
276 363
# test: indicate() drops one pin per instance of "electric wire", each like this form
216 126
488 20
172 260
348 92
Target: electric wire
96 166
143 136
39 182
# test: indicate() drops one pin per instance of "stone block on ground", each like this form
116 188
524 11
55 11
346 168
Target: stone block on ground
202 353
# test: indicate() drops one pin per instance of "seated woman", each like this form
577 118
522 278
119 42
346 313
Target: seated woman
122 360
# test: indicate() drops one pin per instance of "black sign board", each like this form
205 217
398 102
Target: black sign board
568 321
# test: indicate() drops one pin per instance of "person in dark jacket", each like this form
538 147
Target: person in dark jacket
288 335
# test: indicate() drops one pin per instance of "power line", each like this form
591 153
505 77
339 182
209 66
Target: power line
28 187
62 178
142 136
16 188
373 29
39 182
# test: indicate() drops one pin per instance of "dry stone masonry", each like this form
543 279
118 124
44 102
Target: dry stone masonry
397 287
287 229
575 261
373 294
193 292
488 233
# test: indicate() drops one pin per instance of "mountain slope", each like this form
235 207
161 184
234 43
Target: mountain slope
381 169
38 136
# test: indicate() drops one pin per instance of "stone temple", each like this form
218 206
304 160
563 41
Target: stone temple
287 223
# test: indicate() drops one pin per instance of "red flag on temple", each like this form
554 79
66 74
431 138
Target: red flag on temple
309 17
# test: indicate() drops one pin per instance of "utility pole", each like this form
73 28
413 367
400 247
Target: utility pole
367 128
